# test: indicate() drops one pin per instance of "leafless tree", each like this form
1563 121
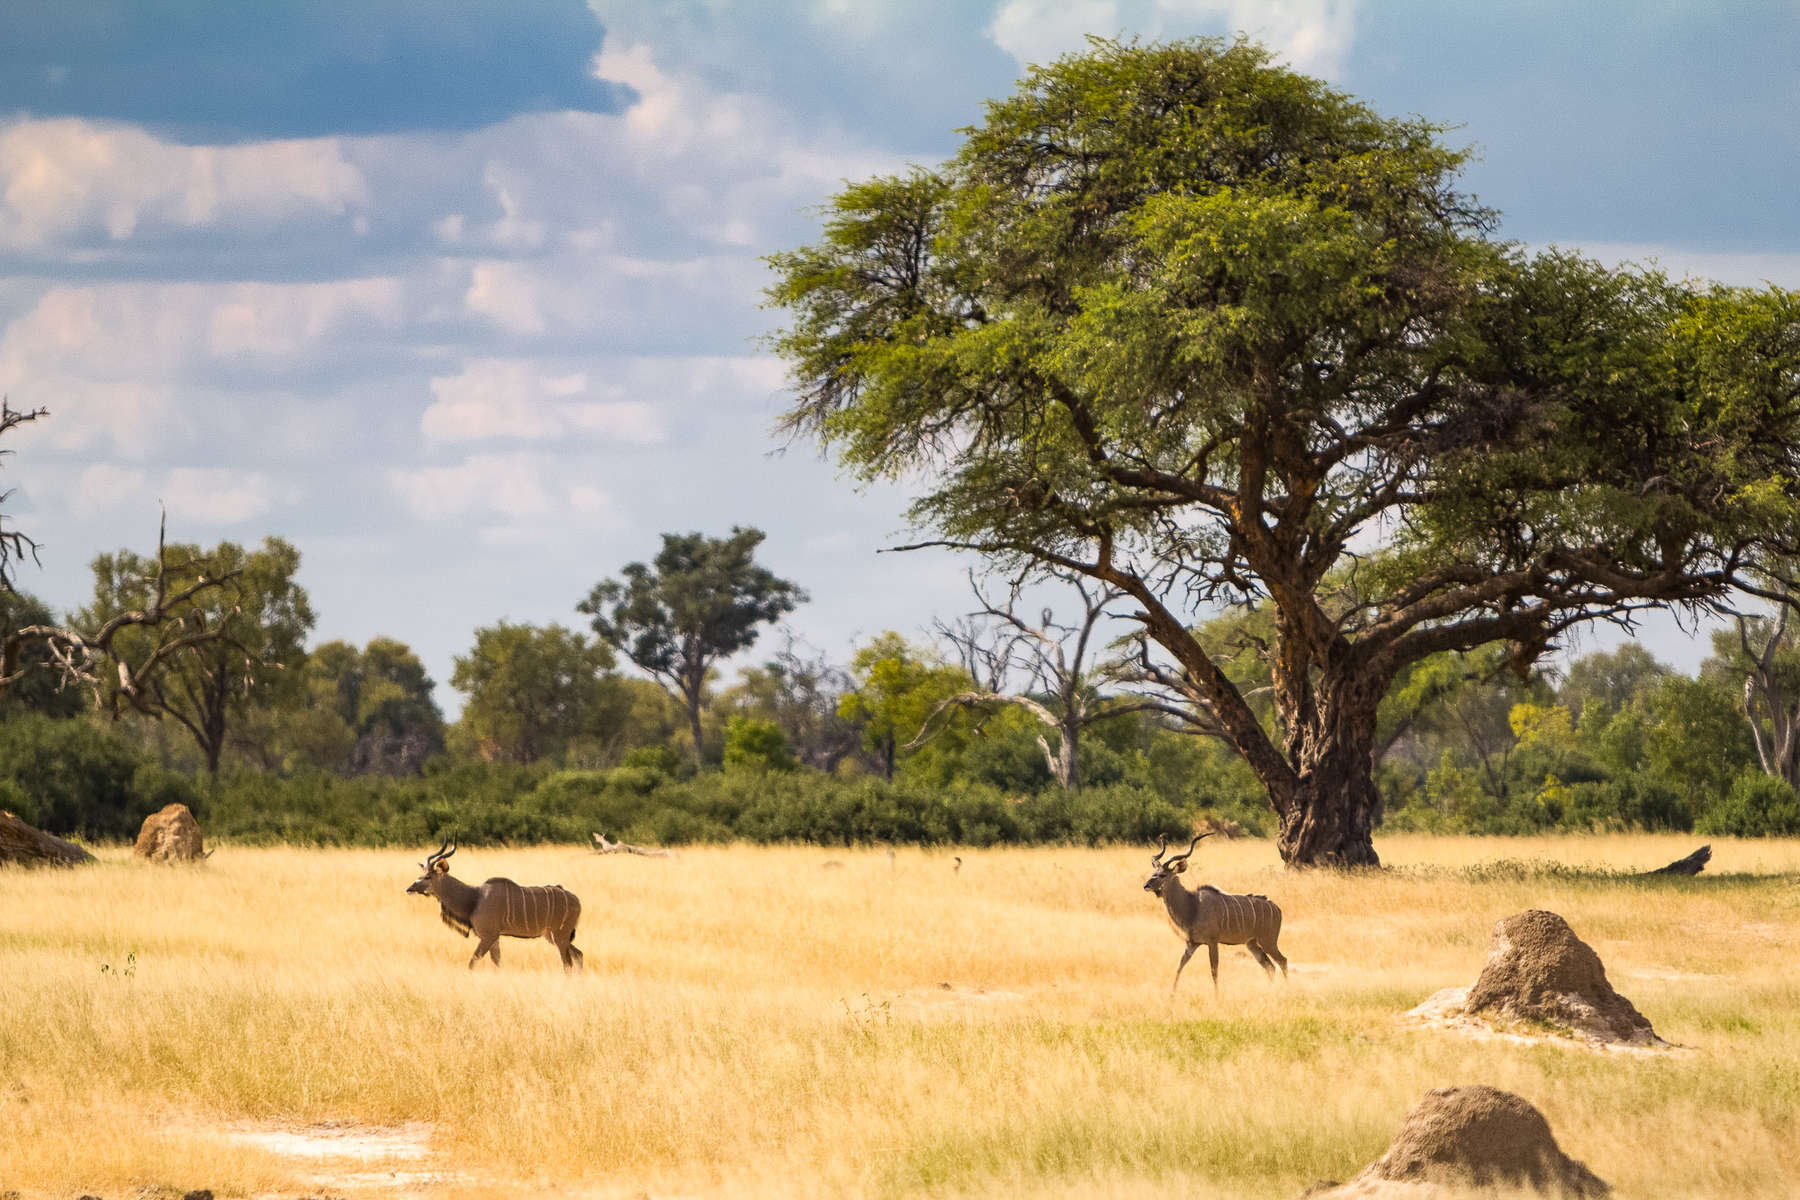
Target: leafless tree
1771 698
1047 668
80 656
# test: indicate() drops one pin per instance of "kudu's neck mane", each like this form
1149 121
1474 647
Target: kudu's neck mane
458 898
1181 903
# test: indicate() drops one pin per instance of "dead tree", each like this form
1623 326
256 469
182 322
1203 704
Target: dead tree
81 656
604 846
1771 702
1693 864
1045 668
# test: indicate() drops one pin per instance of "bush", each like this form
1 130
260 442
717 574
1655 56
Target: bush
1634 801
76 776
752 745
1757 805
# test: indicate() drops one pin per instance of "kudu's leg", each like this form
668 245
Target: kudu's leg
1276 954
1262 960
1212 960
1185 955
486 945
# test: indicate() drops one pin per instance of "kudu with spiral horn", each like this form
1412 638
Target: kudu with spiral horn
501 908
1208 917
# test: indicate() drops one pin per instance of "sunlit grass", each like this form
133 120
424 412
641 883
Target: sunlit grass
753 1023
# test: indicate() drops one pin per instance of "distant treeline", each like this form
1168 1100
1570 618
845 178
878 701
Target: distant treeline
984 733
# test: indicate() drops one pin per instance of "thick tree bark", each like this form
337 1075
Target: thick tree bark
1328 812
1329 820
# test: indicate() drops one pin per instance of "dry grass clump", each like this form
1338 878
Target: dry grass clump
750 1024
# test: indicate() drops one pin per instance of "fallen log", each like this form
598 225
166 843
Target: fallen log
602 846
21 843
1693 864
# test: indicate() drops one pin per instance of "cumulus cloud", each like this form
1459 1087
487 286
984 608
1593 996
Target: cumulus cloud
140 330
506 498
74 181
1310 35
105 486
498 398
218 495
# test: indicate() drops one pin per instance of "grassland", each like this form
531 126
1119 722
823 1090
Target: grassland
754 1022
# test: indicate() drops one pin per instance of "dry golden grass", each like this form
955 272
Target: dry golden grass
753 1023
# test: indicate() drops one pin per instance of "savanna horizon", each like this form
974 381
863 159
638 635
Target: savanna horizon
751 1022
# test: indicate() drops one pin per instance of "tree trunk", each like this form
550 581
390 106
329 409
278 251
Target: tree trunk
1064 761
693 706
1329 805
1329 818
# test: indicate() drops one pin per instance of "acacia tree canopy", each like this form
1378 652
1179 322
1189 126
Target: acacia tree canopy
1207 331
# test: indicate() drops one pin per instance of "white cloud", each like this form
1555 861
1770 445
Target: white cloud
104 487
139 330
1040 31
125 417
1309 35
67 179
506 293
510 398
217 496
507 498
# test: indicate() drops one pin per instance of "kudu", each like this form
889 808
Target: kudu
1207 916
501 908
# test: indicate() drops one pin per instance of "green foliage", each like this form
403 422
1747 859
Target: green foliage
1185 321
208 687
1757 805
752 745
503 803
38 689
896 687
701 600
73 776
532 690
15 800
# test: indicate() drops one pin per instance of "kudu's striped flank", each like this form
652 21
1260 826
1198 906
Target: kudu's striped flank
1208 917
501 908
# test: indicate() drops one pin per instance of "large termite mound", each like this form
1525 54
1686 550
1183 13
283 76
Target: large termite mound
29 846
170 835
1460 1138
1538 970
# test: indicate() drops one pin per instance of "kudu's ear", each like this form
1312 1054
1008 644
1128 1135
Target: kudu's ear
1180 865
440 867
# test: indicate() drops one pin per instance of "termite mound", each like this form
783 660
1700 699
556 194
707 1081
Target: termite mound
1458 1138
1538 973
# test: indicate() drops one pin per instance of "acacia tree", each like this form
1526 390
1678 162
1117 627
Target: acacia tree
1206 331
701 600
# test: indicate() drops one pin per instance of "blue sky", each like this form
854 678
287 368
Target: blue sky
463 298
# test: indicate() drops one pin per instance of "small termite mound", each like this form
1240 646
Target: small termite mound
1539 973
170 835
1460 1138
